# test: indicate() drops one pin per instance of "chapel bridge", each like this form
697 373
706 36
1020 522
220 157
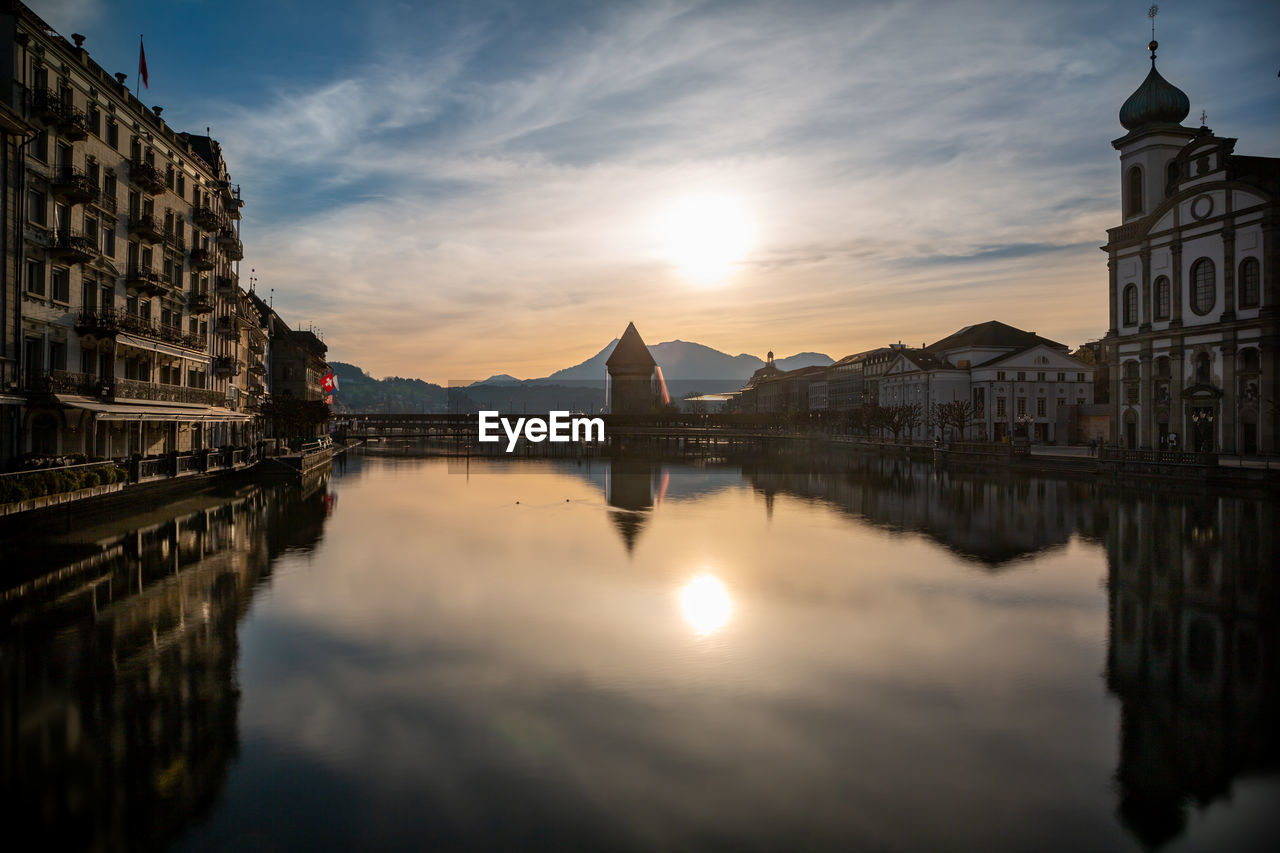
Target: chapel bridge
705 432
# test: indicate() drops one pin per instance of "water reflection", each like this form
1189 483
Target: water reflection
472 662
1193 653
118 670
705 603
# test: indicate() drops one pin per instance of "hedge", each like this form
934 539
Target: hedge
38 484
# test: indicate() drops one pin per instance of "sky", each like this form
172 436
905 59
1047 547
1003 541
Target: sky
450 190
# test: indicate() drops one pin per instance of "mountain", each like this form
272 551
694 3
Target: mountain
687 362
360 392
499 379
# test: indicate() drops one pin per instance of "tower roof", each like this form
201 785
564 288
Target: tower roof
630 351
1156 102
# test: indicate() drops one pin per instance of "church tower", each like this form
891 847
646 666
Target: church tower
631 369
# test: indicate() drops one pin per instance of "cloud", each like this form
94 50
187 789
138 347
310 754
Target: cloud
491 188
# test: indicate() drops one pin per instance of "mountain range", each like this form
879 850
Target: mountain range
687 367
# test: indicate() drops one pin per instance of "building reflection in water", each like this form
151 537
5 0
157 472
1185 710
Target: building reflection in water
1193 652
120 698
630 493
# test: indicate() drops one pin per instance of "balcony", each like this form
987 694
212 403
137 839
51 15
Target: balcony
226 365
231 245
147 177
74 123
255 389
257 368
73 247
92 385
176 242
225 285
146 227
107 204
73 185
46 105
233 207
207 218
228 326
256 346
145 280
200 302
107 322
201 259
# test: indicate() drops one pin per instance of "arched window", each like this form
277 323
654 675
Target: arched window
1202 368
1133 191
1249 283
1163 300
1171 178
1204 286
1131 305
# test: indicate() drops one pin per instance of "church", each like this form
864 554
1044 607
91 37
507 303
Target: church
1192 284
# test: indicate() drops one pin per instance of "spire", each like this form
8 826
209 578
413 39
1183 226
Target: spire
1157 101
630 351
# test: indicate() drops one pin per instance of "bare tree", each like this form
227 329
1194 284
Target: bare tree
910 416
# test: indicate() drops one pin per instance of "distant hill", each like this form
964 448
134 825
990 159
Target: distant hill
687 368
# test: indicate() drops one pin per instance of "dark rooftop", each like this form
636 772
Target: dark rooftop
630 351
992 334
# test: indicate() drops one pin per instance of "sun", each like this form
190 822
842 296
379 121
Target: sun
705 237
705 603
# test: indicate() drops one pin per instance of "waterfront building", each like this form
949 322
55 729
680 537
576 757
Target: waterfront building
846 380
123 311
1192 283
14 129
631 376
1016 382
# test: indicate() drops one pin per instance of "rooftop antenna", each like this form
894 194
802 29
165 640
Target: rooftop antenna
1204 117
1151 13
272 302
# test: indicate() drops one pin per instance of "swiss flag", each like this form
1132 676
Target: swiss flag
329 383
142 64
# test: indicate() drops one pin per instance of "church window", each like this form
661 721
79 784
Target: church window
1202 368
1131 305
1134 192
1203 286
1249 283
1131 369
1040 407
1171 178
1000 407
1163 300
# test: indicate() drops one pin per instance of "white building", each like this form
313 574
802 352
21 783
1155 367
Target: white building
1193 328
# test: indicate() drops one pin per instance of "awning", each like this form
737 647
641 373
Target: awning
162 348
127 412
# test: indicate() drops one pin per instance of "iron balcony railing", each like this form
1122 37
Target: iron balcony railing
200 302
73 247
201 259
225 285
92 385
147 177
107 322
207 218
46 105
146 280
146 227
226 364
73 123
228 326
73 184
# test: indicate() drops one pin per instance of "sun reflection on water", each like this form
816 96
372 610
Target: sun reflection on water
706 604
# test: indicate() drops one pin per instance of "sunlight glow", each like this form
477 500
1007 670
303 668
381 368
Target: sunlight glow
705 237
706 604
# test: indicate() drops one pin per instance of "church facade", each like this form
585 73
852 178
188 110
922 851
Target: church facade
1192 284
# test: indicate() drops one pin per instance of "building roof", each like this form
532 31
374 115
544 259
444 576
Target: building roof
630 351
991 334
925 360
1155 103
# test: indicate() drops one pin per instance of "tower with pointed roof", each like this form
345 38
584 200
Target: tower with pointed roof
1192 292
631 376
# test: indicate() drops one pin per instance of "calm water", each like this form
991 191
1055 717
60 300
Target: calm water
647 656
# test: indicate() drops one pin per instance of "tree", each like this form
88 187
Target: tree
957 414
910 417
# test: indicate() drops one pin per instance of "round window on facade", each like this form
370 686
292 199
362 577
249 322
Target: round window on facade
1204 286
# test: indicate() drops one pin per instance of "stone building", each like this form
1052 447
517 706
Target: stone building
124 329
1193 291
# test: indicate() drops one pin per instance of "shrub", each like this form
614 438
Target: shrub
91 478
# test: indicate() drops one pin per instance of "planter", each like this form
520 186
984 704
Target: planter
62 498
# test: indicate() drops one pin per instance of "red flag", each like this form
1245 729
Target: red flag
329 383
329 400
142 63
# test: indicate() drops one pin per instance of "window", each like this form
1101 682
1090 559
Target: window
1062 402
1080 377
60 284
1133 195
1131 305
35 277
1041 407
1022 375
1022 406
57 355
107 297
109 242
113 134
1203 286
1249 283
182 184
1000 407
1062 377
89 293
1162 367
1202 368
37 209
40 150
95 120
91 229
1163 300
88 361
1249 361
1040 376
1171 178
999 375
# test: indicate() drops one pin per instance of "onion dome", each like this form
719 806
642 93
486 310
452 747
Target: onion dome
1156 102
